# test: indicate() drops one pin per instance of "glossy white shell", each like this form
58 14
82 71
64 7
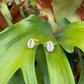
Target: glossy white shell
30 43
50 46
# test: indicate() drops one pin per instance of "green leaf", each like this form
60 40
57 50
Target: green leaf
17 78
14 53
72 35
28 68
66 8
64 21
58 67
5 9
41 66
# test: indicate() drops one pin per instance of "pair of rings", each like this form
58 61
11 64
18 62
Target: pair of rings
49 45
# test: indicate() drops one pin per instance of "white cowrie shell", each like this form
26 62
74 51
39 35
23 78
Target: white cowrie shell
30 43
50 46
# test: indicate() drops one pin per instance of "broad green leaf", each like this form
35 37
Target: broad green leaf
66 8
14 53
58 67
72 35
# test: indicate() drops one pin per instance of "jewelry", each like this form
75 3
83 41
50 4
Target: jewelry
50 46
31 43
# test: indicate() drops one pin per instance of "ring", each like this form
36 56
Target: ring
50 46
31 43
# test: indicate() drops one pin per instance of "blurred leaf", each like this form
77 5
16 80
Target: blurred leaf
14 53
42 4
66 8
6 13
3 23
20 8
10 4
64 21
80 10
36 11
54 27
50 19
0 29
17 1
72 35
15 13
5 10
33 2
48 13
81 13
58 67
6 0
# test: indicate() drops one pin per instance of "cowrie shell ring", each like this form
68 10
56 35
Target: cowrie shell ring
31 43
50 46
